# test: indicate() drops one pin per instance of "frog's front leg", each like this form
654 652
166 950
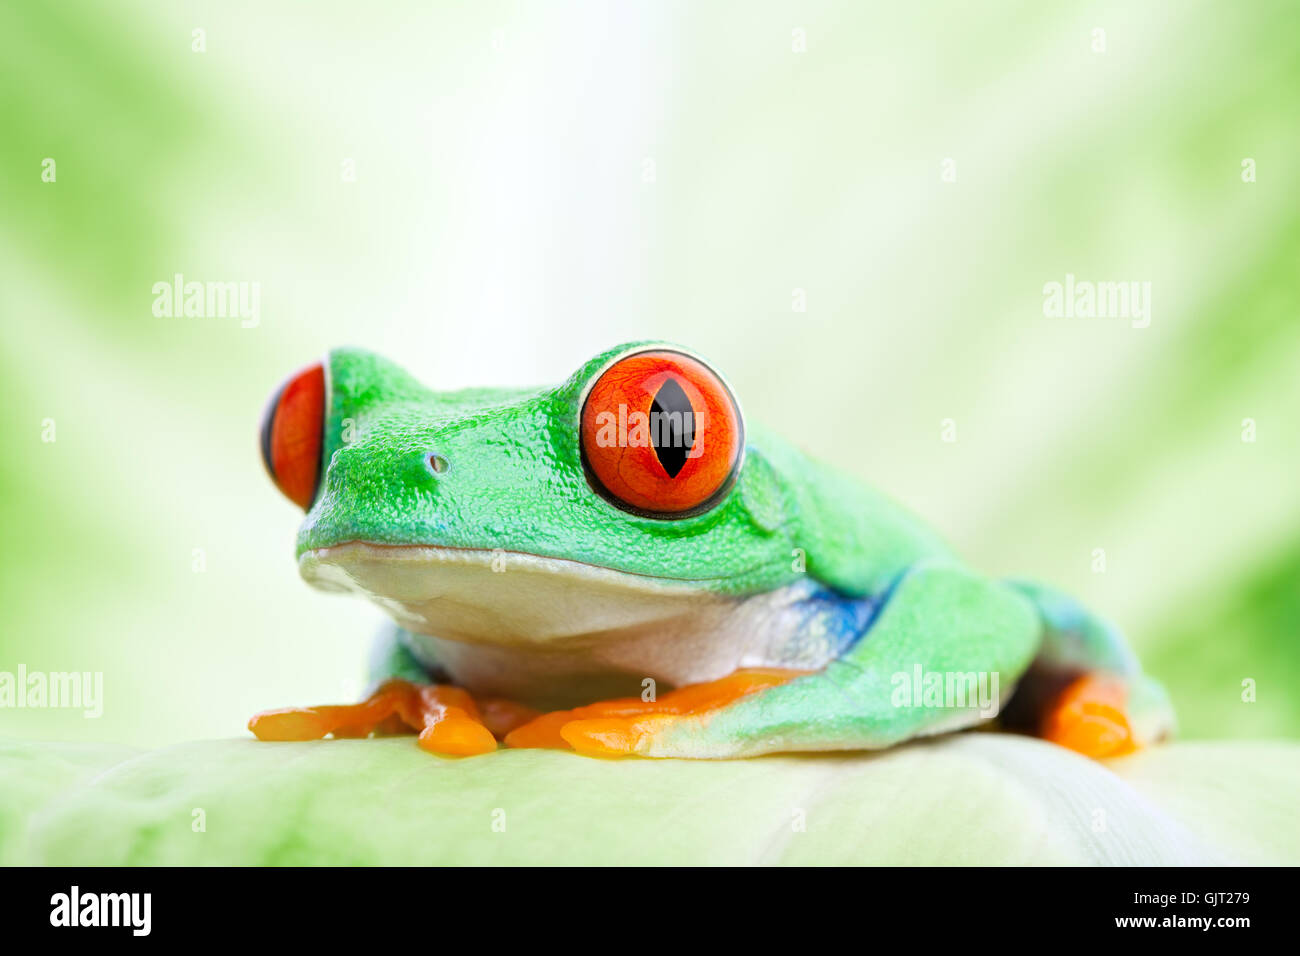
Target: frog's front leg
447 719
940 623
616 727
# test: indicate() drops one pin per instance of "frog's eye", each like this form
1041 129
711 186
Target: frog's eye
292 435
661 434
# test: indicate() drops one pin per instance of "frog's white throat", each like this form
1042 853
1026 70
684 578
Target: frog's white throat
553 632
497 597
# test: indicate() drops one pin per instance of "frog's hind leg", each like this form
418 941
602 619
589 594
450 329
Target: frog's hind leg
1086 690
939 621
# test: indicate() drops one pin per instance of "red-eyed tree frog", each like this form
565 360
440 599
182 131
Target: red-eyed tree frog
624 565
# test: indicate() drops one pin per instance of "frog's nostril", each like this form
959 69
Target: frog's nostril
438 464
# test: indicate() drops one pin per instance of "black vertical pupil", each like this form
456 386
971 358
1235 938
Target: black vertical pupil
672 426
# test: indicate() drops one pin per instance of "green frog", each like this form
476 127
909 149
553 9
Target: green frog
623 565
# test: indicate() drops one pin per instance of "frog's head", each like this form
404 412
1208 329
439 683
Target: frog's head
619 497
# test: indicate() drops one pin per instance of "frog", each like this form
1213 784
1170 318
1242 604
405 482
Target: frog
624 566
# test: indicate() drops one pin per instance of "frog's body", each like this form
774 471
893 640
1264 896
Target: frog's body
520 560
560 634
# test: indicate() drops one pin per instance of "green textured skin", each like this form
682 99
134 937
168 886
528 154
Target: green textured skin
940 617
515 481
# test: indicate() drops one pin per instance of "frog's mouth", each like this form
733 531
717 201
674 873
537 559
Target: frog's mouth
501 597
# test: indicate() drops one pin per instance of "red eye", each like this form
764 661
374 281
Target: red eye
293 433
661 434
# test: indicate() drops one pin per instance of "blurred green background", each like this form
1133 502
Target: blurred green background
537 181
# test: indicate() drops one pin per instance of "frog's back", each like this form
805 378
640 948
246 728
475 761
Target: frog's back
855 539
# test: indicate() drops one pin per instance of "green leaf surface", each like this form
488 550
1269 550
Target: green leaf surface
975 798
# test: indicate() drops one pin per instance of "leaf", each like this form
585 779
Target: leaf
974 798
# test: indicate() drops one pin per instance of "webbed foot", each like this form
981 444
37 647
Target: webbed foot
446 718
1091 717
616 728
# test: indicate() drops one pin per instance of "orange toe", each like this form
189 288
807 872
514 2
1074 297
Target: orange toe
289 723
1089 718
543 731
451 723
457 735
612 736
